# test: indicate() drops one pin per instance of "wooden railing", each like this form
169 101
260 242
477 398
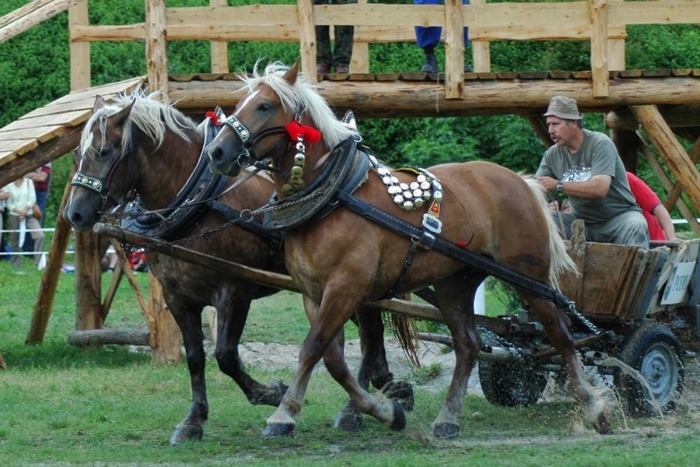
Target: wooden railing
602 22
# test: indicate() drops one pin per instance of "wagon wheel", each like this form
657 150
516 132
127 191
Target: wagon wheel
510 383
655 352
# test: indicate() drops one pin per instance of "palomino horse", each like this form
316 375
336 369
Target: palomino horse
345 244
140 146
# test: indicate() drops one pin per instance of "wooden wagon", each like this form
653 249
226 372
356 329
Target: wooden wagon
633 304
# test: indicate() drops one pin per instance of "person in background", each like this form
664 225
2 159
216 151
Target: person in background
428 38
657 216
585 166
20 205
3 205
338 57
41 178
137 260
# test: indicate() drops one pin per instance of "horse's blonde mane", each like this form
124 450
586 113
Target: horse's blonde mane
303 96
148 114
560 261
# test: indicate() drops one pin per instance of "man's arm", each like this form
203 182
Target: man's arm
596 187
665 221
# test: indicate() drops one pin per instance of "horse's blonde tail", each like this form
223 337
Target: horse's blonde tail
560 261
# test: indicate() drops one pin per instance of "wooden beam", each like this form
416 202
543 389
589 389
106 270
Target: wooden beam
360 53
454 49
670 149
156 47
30 15
673 190
80 70
307 38
49 280
677 116
599 47
166 339
219 49
379 99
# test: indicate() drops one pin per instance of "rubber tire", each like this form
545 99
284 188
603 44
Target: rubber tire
653 350
510 383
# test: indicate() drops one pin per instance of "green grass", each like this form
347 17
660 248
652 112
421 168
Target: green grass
112 405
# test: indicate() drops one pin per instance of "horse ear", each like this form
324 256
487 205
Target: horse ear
291 75
119 117
99 103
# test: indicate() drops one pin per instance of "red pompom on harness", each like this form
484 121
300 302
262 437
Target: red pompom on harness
306 133
213 117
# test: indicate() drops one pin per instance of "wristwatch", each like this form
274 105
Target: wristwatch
560 187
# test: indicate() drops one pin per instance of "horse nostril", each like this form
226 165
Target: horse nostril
215 154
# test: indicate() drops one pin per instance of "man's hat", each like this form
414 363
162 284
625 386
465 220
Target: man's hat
563 107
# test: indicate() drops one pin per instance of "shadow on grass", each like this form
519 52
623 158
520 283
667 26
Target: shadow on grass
61 355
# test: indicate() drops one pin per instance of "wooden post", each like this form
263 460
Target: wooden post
454 49
481 50
219 49
670 149
627 144
156 47
49 281
599 47
165 334
360 52
88 283
80 73
307 38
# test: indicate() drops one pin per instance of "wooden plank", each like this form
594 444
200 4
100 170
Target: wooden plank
86 104
22 11
72 118
40 133
19 146
125 86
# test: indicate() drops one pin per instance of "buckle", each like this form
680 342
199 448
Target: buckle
432 223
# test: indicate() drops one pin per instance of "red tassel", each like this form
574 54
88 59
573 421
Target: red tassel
307 133
461 244
214 118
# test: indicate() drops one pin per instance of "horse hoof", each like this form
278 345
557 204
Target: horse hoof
445 430
400 391
348 421
399 422
278 430
272 395
602 423
186 433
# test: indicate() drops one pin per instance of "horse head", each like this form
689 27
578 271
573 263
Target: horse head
98 159
111 159
283 120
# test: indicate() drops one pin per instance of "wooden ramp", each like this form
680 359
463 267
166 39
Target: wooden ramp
51 131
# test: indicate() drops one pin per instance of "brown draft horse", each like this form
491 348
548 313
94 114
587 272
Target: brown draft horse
139 146
339 259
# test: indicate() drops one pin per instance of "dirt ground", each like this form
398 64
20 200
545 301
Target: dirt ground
280 356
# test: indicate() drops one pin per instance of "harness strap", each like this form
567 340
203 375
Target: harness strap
229 214
447 248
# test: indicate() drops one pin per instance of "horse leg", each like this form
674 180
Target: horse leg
595 408
190 324
375 366
232 313
456 300
328 320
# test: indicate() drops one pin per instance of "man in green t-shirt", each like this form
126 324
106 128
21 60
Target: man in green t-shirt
585 166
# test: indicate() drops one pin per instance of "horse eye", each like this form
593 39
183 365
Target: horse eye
264 106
